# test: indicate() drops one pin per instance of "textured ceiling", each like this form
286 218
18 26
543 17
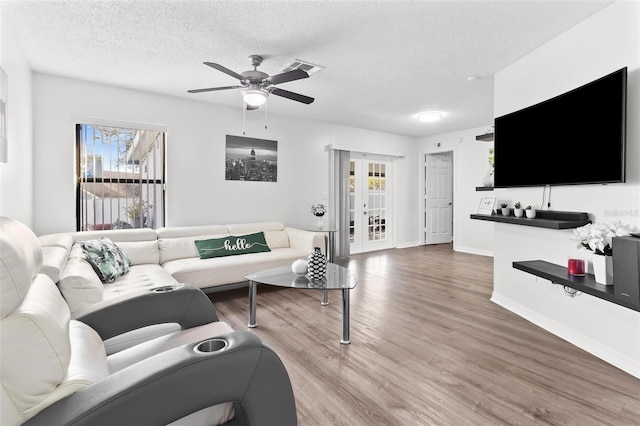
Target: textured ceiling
385 60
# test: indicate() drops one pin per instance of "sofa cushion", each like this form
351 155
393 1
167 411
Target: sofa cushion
79 284
191 231
205 273
35 348
247 228
277 239
139 277
232 245
106 258
117 235
182 247
56 240
20 262
140 252
54 258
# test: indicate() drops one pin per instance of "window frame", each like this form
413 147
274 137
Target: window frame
161 182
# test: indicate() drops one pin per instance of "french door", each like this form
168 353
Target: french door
370 204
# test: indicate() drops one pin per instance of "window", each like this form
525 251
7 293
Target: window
120 174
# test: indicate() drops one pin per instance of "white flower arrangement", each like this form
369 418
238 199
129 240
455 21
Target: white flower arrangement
596 237
318 209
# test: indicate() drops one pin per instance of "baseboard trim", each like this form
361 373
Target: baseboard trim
614 358
407 245
470 250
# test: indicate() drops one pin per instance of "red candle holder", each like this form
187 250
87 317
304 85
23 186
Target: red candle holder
576 267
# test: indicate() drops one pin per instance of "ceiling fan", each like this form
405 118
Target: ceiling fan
256 85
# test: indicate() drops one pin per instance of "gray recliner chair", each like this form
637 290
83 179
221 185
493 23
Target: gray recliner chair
55 370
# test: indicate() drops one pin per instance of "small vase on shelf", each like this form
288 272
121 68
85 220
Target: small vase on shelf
318 210
603 269
517 209
487 181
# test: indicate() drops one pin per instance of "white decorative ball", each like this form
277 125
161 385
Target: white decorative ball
300 267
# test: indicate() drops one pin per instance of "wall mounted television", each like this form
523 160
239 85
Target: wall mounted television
577 137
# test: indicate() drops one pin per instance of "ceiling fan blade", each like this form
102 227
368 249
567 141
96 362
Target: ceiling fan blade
287 76
225 70
213 89
290 95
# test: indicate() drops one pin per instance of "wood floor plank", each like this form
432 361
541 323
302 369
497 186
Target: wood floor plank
429 348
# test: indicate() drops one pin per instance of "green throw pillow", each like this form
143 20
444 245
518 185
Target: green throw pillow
106 259
232 245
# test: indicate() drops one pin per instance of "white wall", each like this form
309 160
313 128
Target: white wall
16 182
197 192
603 43
470 165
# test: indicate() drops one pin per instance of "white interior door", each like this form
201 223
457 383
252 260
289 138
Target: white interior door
371 204
438 198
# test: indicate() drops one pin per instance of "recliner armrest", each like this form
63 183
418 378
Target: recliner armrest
178 382
182 304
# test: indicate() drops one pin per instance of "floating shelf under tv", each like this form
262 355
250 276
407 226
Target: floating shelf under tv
487 137
551 219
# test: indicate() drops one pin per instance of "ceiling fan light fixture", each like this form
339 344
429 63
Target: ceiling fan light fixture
429 116
255 97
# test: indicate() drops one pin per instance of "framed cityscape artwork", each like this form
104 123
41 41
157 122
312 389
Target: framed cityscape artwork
251 159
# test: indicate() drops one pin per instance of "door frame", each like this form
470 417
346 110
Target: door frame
422 165
392 188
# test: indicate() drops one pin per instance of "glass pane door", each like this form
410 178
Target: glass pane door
377 195
369 204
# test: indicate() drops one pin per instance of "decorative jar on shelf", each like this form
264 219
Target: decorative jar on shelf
530 212
317 264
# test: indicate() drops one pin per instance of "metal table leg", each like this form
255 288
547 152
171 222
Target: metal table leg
345 317
332 247
253 287
330 252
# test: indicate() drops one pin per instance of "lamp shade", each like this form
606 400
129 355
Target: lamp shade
255 97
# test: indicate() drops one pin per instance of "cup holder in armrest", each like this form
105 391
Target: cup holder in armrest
164 289
210 346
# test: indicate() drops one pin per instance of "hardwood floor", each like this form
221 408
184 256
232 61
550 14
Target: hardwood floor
428 347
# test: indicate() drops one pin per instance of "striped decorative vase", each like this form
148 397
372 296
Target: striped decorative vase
317 265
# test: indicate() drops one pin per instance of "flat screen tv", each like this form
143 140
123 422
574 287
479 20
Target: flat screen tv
577 137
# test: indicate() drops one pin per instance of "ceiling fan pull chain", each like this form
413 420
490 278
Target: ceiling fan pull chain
265 115
244 117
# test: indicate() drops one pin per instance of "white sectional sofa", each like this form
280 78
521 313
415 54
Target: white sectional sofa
168 257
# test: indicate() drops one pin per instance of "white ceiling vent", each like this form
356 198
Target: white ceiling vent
305 66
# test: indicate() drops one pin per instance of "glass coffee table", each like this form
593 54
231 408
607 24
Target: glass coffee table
337 278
